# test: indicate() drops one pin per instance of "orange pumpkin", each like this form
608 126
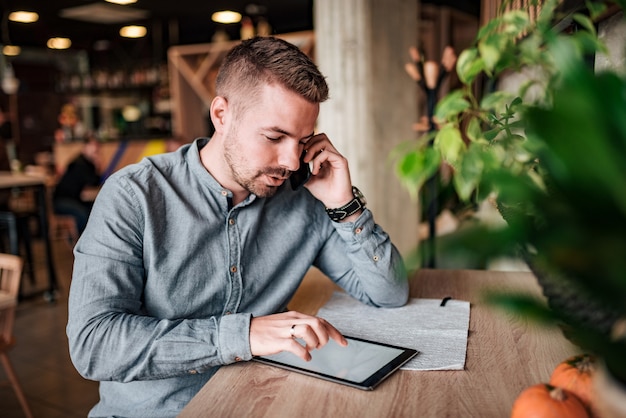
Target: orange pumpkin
546 401
575 374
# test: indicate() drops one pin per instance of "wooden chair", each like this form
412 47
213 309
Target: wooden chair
10 276
61 227
15 221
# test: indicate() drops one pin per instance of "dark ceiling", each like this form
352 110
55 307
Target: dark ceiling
169 22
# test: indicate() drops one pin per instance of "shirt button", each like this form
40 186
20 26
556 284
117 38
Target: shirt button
358 231
193 372
233 269
237 358
224 193
231 221
376 258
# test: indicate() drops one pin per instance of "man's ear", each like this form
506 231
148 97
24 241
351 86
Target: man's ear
219 113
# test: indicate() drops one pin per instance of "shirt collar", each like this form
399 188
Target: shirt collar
195 163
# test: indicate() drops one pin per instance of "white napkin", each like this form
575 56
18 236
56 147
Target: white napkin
439 333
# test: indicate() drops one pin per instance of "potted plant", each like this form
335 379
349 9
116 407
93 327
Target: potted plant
555 164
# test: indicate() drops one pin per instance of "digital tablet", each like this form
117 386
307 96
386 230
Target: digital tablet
361 364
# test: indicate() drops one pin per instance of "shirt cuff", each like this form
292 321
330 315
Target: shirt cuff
234 338
358 230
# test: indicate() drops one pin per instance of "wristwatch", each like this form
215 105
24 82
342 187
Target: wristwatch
349 208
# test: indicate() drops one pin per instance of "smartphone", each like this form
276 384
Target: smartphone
301 175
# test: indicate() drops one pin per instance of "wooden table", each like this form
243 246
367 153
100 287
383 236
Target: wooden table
9 180
504 355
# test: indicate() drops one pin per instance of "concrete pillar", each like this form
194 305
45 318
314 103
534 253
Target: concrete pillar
612 32
361 47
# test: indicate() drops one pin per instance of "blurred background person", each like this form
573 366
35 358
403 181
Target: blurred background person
75 191
6 141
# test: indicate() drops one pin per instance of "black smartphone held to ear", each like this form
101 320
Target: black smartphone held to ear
302 175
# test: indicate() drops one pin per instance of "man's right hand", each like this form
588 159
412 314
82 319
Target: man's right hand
272 334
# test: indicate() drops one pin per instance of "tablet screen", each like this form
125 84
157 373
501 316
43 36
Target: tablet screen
361 364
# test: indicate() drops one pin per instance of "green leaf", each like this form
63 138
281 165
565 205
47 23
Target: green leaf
469 65
588 43
416 166
490 27
451 105
516 22
489 49
585 22
496 100
450 143
411 165
432 162
474 130
492 134
546 15
531 49
596 9
566 54
516 102
468 173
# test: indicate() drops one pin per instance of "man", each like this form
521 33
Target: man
189 259
81 175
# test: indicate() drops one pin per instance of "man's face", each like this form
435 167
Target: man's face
262 145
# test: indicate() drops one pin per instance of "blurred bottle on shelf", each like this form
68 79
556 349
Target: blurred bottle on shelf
263 27
247 28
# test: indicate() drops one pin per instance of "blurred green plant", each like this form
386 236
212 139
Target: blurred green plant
480 133
574 229
553 157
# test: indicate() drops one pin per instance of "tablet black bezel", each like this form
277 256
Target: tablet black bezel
368 384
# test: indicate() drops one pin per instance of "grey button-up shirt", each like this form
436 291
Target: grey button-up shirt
168 274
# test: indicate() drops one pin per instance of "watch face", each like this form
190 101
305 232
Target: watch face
357 193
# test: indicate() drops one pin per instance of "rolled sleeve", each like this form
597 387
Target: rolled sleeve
360 231
374 272
234 338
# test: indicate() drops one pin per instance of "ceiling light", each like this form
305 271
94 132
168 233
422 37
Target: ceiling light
131 113
23 17
133 31
59 43
122 2
11 50
226 16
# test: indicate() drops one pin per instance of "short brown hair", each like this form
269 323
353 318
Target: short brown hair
267 60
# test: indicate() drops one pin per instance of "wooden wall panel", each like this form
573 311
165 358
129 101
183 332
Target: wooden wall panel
192 71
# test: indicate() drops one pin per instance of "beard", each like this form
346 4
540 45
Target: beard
250 179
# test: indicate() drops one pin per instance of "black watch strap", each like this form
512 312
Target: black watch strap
350 208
